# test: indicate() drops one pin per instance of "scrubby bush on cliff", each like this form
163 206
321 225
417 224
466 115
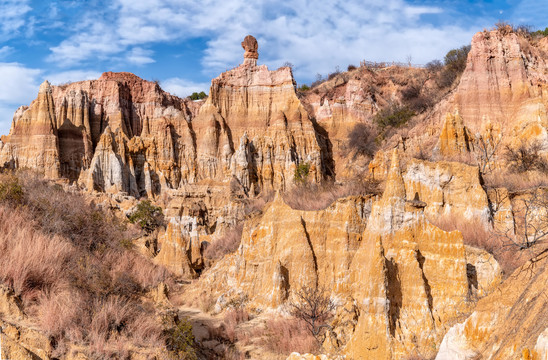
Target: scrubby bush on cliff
434 66
180 341
540 33
62 256
10 190
362 140
148 216
320 196
198 96
301 173
455 63
393 116
313 305
527 156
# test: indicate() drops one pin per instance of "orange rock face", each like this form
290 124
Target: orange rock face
252 127
505 84
455 138
400 278
33 141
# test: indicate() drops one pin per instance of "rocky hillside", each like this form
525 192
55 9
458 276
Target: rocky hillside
409 204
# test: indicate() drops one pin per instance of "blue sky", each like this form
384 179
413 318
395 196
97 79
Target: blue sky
184 44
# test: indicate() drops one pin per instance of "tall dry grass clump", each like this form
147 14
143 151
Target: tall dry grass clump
319 196
286 335
64 258
226 243
478 234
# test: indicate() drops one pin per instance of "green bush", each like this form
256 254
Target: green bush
540 32
455 59
304 87
394 116
198 96
301 173
147 216
11 191
180 341
455 63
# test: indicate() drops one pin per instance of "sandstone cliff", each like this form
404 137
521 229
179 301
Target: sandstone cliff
386 265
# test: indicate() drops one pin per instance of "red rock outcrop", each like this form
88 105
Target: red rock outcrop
505 84
386 266
33 142
455 138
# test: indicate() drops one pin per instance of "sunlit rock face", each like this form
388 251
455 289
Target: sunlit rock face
252 128
386 266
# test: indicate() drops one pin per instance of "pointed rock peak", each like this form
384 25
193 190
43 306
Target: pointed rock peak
278 197
107 131
45 88
250 46
395 187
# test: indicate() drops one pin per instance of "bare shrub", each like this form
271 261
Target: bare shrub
318 197
286 335
526 157
258 203
504 27
226 243
362 140
530 221
434 66
486 150
314 306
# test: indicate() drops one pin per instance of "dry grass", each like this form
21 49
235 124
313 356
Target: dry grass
232 318
318 197
516 182
286 335
478 234
226 243
64 259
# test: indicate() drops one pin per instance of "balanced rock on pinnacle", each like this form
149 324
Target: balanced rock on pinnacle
250 46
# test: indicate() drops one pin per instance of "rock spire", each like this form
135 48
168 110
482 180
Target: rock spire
250 46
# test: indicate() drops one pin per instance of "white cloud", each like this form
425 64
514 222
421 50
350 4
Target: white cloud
5 51
314 36
182 87
526 10
72 76
6 116
19 86
12 17
140 56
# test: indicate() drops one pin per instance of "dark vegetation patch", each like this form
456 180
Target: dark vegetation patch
65 258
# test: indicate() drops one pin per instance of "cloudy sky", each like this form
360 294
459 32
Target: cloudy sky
184 44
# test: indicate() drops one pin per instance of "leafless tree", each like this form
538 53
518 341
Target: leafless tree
530 221
526 156
314 306
486 150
